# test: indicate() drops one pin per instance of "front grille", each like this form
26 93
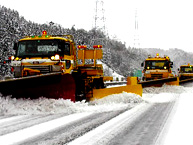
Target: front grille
43 68
156 75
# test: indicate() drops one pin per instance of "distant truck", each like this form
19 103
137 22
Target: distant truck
185 72
157 68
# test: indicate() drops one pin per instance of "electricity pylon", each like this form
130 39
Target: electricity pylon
136 32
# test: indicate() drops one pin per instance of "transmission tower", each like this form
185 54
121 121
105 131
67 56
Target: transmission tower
99 17
136 32
99 25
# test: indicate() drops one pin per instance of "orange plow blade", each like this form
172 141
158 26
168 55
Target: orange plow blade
100 93
131 87
54 85
160 82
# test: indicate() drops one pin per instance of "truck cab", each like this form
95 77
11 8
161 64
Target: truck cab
157 67
185 71
44 54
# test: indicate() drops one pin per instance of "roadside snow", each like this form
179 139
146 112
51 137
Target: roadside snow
123 98
179 129
164 89
162 94
12 106
160 98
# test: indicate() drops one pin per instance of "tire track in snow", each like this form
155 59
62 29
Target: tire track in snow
140 125
65 134
107 131
29 132
10 119
24 121
3 117
146 128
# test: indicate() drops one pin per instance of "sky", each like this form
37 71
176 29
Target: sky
161 23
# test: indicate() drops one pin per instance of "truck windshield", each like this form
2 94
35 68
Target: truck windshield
186 69
156 64
36 48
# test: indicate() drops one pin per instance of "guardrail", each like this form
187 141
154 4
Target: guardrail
115 83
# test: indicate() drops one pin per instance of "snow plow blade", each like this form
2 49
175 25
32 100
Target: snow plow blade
53 85
131 87
186 80
160 82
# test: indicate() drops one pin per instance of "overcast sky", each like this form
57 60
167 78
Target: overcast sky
161 23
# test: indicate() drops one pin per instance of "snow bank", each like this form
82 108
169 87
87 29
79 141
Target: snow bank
160 98
113 102
179 129
164 89
10 105
123 98
164 94
14 106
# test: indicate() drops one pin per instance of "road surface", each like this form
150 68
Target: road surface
142 123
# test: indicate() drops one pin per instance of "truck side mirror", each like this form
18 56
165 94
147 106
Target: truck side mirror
15 46
178 69
142 64
171 63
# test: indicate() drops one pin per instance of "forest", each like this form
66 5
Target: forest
125 61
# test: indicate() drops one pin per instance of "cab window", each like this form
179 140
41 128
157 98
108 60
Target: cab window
64 47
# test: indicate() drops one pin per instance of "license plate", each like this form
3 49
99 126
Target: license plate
35 62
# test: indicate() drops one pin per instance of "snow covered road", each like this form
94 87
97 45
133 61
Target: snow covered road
47 121
140 125
146 128
117 119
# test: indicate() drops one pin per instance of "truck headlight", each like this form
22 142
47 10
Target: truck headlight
56 57
12 57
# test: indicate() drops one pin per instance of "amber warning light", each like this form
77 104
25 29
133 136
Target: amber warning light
82 46
97 46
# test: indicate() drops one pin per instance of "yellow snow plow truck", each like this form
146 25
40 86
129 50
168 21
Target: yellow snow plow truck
186 72
158 70
47 66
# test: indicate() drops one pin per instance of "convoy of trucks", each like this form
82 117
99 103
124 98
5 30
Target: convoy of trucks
53 66
47 65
